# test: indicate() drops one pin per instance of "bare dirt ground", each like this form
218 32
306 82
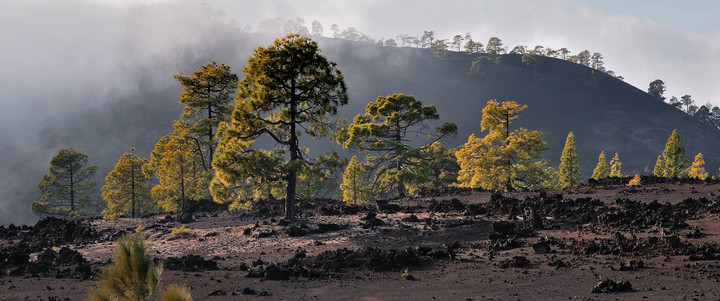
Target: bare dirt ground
658 241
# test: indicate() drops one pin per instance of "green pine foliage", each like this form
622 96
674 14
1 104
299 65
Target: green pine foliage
569 169
674 159
127 191
288 89
616 167
387 128
69 187
356 187
602 170
659 170
132 276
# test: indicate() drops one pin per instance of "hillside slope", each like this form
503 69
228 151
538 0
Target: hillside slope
605 114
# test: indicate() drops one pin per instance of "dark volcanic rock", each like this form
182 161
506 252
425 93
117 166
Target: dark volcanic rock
609 286
295 231
52 231
515 262
190 263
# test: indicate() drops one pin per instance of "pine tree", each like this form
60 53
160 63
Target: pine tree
602 170
435 167
128 188
697 170
503 159
288 88
179 169
207 96
356 187
387 128
569 169
69 186
674 158
615 167
659 170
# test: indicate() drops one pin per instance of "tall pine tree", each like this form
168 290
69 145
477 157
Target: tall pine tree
69 186
616 167
569 170
504 159
128 188
289 88
602 170
356 186
674 159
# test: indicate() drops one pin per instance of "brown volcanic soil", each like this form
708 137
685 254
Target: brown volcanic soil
456 245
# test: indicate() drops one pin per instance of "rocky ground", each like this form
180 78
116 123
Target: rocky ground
601 241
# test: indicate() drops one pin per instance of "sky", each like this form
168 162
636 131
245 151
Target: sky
60 55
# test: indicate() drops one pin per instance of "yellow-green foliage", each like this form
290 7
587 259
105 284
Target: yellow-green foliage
127 191
569 169
602 170
616 167
503 159
133 276
175 292
674 161
659 169
697 170
636 181
178 166
356 187
179 232
139 229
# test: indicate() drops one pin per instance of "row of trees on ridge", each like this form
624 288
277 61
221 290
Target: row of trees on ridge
289 89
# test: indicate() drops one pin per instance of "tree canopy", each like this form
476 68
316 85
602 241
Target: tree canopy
287 88
128 188
674 161
386 129
68 188
207 99
601 170
503 159
697 170
569 169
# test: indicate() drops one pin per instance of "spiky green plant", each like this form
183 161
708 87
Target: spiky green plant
175 292
132 277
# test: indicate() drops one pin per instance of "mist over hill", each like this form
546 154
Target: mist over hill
605 113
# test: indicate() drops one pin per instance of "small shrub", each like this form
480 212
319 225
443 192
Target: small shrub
175 292
406 275
133 276
180 232
139 229
636 181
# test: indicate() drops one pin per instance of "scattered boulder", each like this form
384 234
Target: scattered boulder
515 262
295 231
608 286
